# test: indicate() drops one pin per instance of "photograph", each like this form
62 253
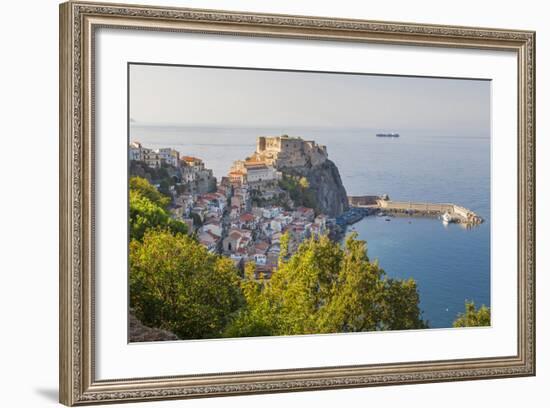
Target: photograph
266 202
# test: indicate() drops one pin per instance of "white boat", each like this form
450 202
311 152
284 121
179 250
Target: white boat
447 218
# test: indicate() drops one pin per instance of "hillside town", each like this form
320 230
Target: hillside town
245 214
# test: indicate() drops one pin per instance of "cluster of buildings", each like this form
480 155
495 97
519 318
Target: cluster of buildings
225 222
154 158
255 235
189 171
254 232
253 172
205 214
263 169
225 218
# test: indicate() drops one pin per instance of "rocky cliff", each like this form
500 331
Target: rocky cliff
296 157
325 184
139 332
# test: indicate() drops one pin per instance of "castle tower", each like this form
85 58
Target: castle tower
260 144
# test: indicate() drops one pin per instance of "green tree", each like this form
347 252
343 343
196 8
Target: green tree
255 319
145 215
298 188
304 183
146 189
400 305
324 288
472 317
148 210
177 285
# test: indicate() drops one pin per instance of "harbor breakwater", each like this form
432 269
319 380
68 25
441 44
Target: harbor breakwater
455 213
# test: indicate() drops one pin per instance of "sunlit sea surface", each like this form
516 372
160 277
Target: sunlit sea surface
449 263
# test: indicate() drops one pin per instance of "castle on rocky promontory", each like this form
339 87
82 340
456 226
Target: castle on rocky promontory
304 158
287 152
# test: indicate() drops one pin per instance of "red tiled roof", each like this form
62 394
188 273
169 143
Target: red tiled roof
235 235
209 196
246 217
262 245
206 237
254 162
190 159
255 166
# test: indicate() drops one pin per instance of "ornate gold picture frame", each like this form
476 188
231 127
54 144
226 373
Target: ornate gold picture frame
78 24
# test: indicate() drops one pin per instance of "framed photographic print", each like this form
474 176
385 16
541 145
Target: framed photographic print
258 203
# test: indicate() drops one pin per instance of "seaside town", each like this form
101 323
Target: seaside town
257 215
245 214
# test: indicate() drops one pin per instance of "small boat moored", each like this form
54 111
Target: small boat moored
447 218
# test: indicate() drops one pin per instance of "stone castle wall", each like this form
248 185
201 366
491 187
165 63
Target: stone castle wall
284 151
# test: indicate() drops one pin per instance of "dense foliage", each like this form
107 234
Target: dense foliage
145 189
472 317
324 288
177 285
299 190
165 177
148 210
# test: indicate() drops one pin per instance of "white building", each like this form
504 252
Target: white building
194 162
151 158
258 172
276 225
135 151
260 259
252 172
321 222
271 212
169 156
194 173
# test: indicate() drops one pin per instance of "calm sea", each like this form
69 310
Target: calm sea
449 263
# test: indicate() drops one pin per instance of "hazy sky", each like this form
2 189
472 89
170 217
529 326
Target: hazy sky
168 95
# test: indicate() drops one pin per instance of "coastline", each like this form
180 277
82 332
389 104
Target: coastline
219 223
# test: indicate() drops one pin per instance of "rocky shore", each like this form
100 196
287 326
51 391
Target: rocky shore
138 332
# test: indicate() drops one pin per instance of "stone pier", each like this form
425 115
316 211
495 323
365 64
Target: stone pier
458 213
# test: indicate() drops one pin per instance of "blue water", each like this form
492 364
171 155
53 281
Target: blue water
449 263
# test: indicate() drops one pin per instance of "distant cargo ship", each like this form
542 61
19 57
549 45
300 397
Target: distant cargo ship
387 135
